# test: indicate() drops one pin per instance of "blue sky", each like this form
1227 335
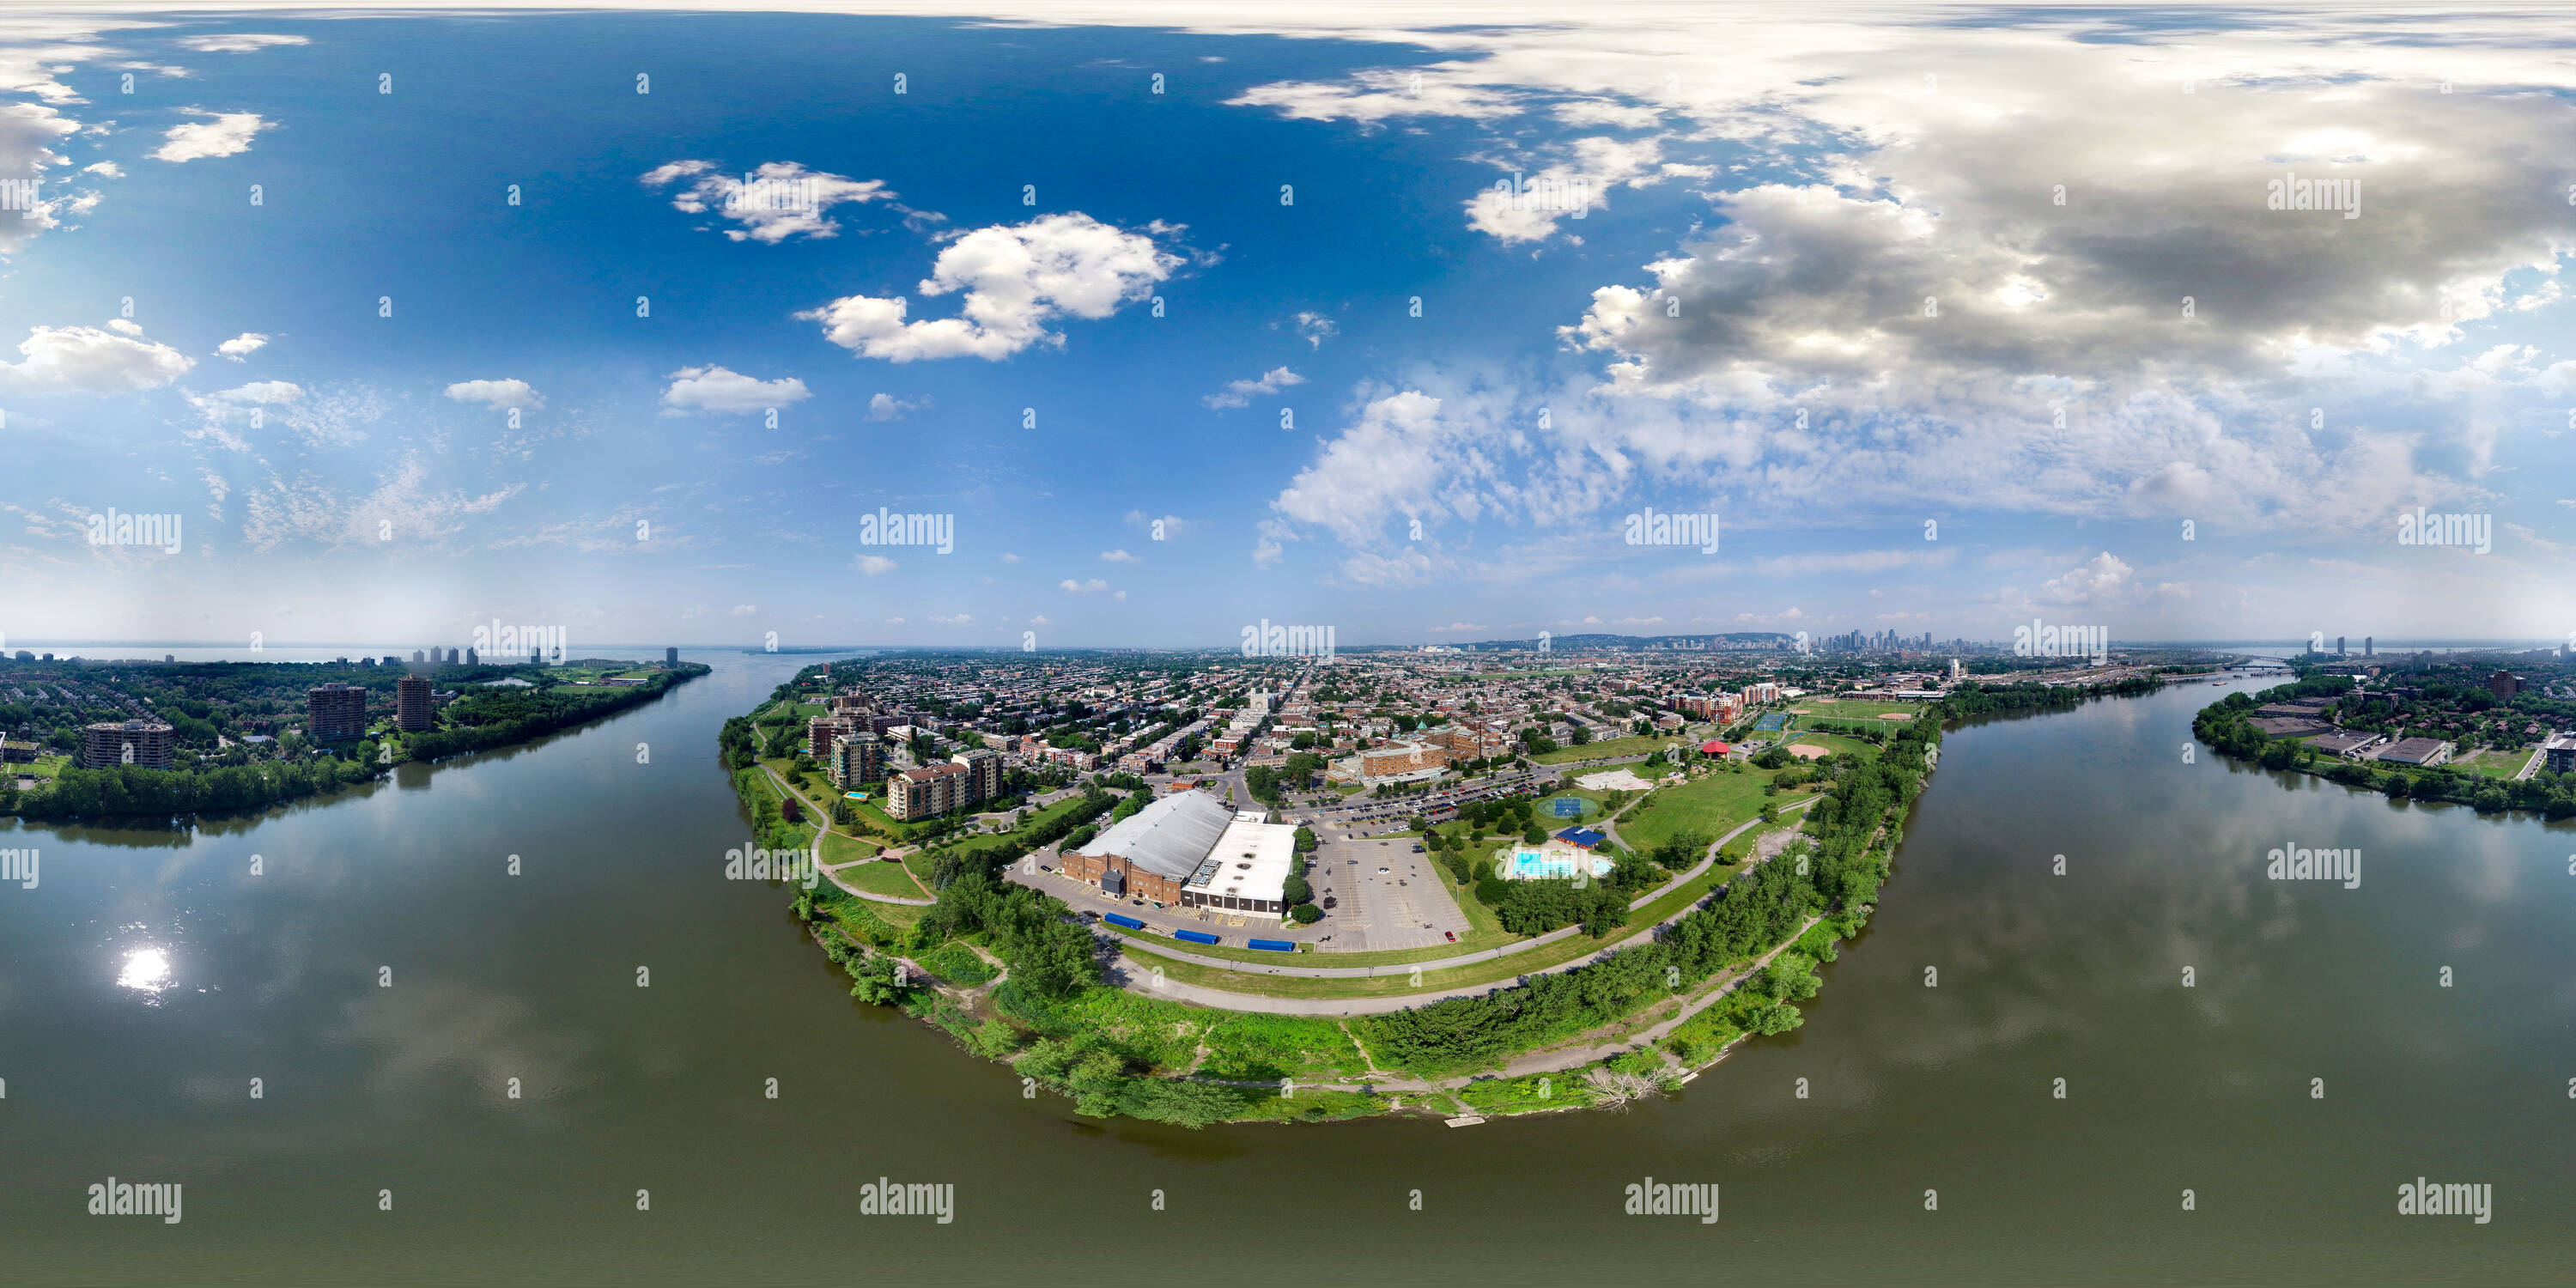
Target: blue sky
1821 288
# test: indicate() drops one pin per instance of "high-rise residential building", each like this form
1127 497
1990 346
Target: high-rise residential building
671 657
855 758
144 744
922 793
415 709
985 766
335 710
820 731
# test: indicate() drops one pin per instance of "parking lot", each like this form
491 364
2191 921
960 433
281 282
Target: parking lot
1406 906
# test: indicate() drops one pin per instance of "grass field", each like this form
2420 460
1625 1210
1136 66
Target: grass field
838 848
1851 709
1608 747
1833 742
2499 765
882 878
1711 806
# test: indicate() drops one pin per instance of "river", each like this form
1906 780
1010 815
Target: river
369 1088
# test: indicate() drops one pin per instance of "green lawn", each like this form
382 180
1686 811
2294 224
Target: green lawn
1855 709
881 878
2499 765
1833 742
1712 806
1607 747
838 848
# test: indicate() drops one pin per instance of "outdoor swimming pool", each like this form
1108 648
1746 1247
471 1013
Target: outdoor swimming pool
1527 865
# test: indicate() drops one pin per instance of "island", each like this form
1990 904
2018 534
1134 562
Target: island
1195 890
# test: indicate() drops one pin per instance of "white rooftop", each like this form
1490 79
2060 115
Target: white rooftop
1249 861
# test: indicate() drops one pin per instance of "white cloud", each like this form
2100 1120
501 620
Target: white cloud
86 360
1017 281
222 135
242 42
719 390
889 407
1120 556
780 200
500 395
875 565
243 345
1239 393
2103 579
1571 188
268 393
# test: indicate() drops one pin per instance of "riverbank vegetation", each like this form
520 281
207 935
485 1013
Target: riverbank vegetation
212 772
2228 727
1744 953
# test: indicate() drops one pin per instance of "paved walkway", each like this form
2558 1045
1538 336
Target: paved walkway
1127 975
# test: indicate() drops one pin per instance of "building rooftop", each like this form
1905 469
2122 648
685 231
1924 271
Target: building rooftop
1169 837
